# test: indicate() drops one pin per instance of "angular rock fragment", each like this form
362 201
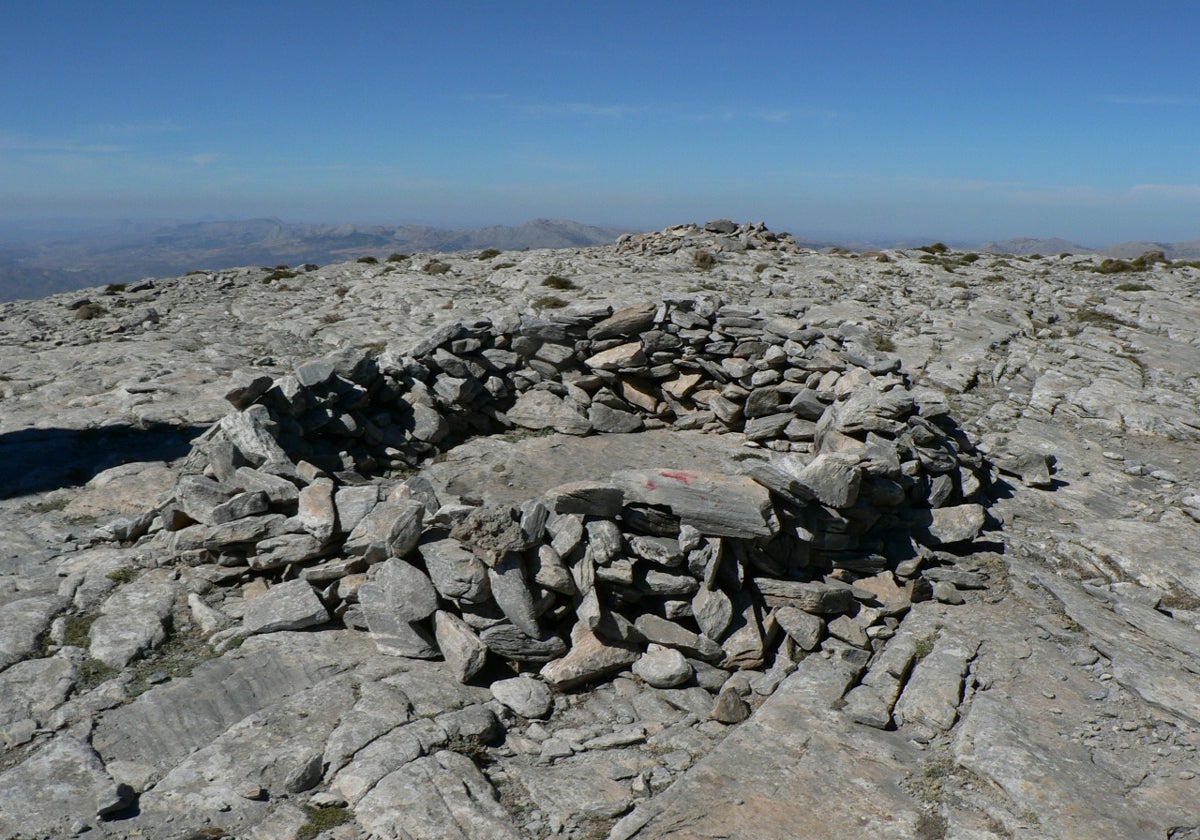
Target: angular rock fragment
589 659
719 505
528 697
456 572
287 606
464 653
391 529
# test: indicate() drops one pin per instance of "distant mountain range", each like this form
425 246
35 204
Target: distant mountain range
37 261
1024 246
42 258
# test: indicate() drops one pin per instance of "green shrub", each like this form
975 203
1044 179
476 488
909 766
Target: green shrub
436 267
394 258
114 288
280 274
550 302
1134 287
935 248
368 260
704 260
488 253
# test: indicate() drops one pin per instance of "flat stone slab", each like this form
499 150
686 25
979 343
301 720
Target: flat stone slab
798 787
497 470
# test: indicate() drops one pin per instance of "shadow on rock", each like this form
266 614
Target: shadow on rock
40 460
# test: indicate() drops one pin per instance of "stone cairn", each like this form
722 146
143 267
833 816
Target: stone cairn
853 480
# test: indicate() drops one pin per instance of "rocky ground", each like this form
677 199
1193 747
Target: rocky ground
1050 689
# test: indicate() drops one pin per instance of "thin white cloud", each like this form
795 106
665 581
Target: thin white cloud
14 142
158 127
204 158
1120 99
1186 192
584 109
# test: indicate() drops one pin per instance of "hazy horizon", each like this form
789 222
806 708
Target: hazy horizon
966 122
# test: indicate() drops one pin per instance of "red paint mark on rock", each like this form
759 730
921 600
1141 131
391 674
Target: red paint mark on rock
685 477
650 484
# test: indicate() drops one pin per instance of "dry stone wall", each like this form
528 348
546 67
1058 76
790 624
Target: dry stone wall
853 481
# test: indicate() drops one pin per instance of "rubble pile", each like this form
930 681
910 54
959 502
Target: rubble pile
716 236
852 482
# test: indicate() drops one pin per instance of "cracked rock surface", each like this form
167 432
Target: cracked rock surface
186 639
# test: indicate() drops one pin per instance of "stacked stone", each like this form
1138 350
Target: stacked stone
716 236
677 571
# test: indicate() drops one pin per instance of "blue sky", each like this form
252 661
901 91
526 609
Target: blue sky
953 120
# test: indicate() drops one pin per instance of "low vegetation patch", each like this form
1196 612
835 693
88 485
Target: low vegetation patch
89 311
549 302
284 273
122 575
436 267
175 658
322 819
560 283
488 254
114 288
935 248
368 260
704 260
1134 287
91 673
395 258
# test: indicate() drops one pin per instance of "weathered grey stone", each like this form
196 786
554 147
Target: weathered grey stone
237 507
589 659
248 529
803 628
286 606
590 498
316 509
492 532
731 506
935 689
22 621
849 631
604 541
279 490
439 796
528 697
62 783
464 653
548 570
248 431
351 505
812 597
508 642
955 524
670 634
133 619
391 529
405 588
618 358
456 572
511 592
730 708
542 410
713 611
629 321
663 667
662 551
285 549
197 496
613 421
